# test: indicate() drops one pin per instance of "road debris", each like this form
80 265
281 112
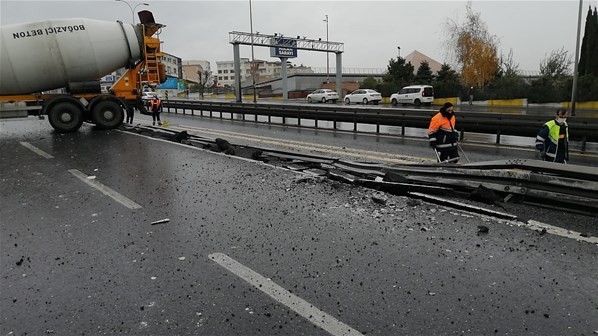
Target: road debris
161 221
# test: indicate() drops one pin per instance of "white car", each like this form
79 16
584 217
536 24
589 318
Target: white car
149 95
322 95
414 94
363 96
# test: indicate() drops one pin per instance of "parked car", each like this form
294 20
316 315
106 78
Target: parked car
149 95
322 95
414 94
364 96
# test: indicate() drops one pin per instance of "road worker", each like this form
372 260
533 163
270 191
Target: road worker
155 107
443 136
553 139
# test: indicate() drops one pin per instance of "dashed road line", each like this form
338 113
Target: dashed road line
36 150
281 295
105 190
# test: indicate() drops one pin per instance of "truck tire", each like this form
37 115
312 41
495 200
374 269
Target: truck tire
65 117
107 114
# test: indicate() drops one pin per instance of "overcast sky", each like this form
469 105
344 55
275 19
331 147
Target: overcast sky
370 30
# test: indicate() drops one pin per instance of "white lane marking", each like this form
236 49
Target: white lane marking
555 230
105 190
36 150
300 306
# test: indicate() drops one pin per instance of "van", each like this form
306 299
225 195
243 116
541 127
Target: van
413 94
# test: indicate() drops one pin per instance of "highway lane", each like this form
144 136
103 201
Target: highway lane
243 236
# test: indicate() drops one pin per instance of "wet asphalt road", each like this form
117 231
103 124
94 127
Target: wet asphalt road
75 261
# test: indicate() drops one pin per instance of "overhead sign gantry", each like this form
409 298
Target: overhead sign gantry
283 47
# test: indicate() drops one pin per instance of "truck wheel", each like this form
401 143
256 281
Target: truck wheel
107 114
65 117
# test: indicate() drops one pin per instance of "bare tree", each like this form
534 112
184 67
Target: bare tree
508 67
204 77
474 48
557 64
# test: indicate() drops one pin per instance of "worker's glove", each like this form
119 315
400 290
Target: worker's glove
433 144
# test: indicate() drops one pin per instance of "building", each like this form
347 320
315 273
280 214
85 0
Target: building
266 71
416 57
173 65
193 67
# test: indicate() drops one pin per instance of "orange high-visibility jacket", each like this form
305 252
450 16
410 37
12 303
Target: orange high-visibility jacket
442 131
155 104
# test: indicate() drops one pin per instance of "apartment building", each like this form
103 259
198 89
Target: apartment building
173 65
192 67
267 70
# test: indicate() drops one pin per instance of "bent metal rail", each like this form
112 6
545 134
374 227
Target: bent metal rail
586 129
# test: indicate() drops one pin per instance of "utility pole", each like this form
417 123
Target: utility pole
327 54
252 54
575 75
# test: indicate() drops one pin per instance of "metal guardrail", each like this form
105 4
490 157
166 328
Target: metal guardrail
583 129
568 187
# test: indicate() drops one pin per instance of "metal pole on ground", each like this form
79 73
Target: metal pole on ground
461 148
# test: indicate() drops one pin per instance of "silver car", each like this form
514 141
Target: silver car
322 95
363 96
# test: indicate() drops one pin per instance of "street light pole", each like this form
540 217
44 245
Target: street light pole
252 67
132 8
327 55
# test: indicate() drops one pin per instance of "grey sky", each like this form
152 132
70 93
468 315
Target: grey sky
370 30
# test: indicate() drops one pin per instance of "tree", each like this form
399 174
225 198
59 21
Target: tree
557 64
399 72
447 74
508 67
369 82
508 84
447 82
474 48
424 73
589 47
204 77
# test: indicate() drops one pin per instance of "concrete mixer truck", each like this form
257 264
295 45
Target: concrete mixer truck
73 54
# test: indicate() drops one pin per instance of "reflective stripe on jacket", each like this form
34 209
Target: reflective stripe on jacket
442 131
